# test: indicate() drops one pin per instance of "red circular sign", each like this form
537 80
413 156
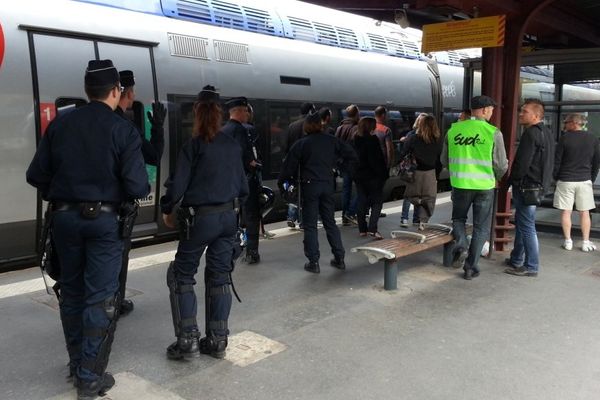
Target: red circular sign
1 45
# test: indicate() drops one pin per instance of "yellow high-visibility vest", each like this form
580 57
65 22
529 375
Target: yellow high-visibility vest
470 148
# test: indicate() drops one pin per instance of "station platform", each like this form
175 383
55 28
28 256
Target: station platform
336 335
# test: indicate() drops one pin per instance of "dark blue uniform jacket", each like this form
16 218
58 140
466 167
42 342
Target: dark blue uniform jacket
206 174
239 132
318 155
89 154
152 149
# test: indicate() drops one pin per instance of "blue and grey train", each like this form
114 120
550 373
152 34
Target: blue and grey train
278 54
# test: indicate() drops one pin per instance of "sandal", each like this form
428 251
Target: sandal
376 235
362 234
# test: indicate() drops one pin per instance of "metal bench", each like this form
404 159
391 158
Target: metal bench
404 243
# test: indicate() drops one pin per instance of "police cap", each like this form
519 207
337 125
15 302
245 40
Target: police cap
305 108
237 102
482 102
313 117
208 94
126 78
101 73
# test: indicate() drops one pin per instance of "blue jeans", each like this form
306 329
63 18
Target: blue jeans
349 202
526 250
406 210
482 201
292 214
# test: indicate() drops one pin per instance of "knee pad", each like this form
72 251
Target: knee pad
180 325
111 310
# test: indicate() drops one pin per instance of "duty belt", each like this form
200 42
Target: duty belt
217 208
67 206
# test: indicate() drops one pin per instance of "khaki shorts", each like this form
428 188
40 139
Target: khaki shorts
579 193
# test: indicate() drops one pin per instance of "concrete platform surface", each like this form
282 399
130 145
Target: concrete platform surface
337 335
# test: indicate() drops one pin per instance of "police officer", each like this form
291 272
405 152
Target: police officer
208 182
88 162
152 151
238 128
294 132
252 206
317 154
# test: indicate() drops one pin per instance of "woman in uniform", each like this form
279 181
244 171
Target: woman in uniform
209 183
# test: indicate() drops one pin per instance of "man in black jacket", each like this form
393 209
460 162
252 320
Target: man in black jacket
575 169
316 155
296 131
534 155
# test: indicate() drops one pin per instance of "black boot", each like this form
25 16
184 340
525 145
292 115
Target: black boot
187 346
91 390
338 263
252 257
214 346
126 307
312 267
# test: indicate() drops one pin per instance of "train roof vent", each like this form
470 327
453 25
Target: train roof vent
378 43
395 47
454 57
259 21
227 14
223 13
326 34
188 46
411 48
302 29
231 52
347 38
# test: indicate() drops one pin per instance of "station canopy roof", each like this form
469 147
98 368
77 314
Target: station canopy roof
560 24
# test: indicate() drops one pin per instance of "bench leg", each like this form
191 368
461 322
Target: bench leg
390 279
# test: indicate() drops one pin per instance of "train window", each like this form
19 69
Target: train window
64 103
279 119
181 121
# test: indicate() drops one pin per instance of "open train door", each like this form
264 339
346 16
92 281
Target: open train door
139 58
58 62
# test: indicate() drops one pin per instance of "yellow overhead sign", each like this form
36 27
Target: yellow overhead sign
476 32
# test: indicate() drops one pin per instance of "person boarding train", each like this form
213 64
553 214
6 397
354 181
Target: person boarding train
209 182
89 162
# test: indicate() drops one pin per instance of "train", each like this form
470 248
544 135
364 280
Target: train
277 54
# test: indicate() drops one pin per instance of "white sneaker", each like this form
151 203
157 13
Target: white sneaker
404 223
568 244
587 246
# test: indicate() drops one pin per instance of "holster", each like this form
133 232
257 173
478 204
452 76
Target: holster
128 212
186 217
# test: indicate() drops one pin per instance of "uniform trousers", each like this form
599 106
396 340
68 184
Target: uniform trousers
317 200
89 252
215 233
252 214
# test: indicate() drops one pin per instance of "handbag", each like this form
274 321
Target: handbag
407 168
532 194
